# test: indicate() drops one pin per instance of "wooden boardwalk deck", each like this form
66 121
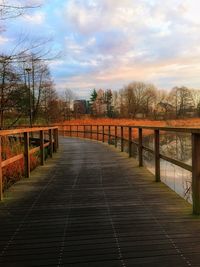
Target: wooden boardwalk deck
92 206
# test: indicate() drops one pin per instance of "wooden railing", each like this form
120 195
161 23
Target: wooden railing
47 137
125 133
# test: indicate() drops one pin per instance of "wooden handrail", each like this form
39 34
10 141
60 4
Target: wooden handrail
185 129
52 143
25 130
194 131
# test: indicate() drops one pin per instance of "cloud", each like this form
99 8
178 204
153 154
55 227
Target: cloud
37 18
107 43
3 40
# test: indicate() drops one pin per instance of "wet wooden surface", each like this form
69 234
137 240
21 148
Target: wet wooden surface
92 206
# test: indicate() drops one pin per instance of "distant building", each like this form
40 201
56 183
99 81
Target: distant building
81 107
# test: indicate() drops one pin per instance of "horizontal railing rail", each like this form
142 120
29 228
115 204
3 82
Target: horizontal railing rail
47 136
124 133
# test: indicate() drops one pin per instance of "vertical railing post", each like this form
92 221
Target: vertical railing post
42 148
55 143
97 132
157 155
90 131
103 134
26 155
57 139
84 135
129 141
140 147
50 143
70 130
122 139
1 175
109 134
115 136
196 173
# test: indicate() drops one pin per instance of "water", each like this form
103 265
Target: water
173 145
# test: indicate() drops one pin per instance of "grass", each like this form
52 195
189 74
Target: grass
192 122
15 171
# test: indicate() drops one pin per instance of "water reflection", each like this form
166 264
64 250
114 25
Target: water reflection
173 145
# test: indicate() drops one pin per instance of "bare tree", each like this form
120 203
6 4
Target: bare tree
196 100
182 99
67 101
9 80
138 98
9 10
50 106
39 78
149 97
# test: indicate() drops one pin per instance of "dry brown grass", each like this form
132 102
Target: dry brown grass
191 122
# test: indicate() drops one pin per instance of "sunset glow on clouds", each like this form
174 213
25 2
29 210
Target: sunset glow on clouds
108 43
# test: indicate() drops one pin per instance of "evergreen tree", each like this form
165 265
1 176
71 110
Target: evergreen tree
108 101
93 98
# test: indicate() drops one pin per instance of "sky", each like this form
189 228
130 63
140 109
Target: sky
110 43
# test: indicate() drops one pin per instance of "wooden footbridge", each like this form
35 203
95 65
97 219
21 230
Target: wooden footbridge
91 205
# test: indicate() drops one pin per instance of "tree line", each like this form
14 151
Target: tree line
143 100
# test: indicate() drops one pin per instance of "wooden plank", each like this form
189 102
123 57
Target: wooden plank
34 150
148 149
177 162
28 130
185 129
101 221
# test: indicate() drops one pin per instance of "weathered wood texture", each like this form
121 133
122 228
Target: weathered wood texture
92 206
53 146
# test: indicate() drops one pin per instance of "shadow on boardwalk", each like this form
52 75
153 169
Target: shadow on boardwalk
92 206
